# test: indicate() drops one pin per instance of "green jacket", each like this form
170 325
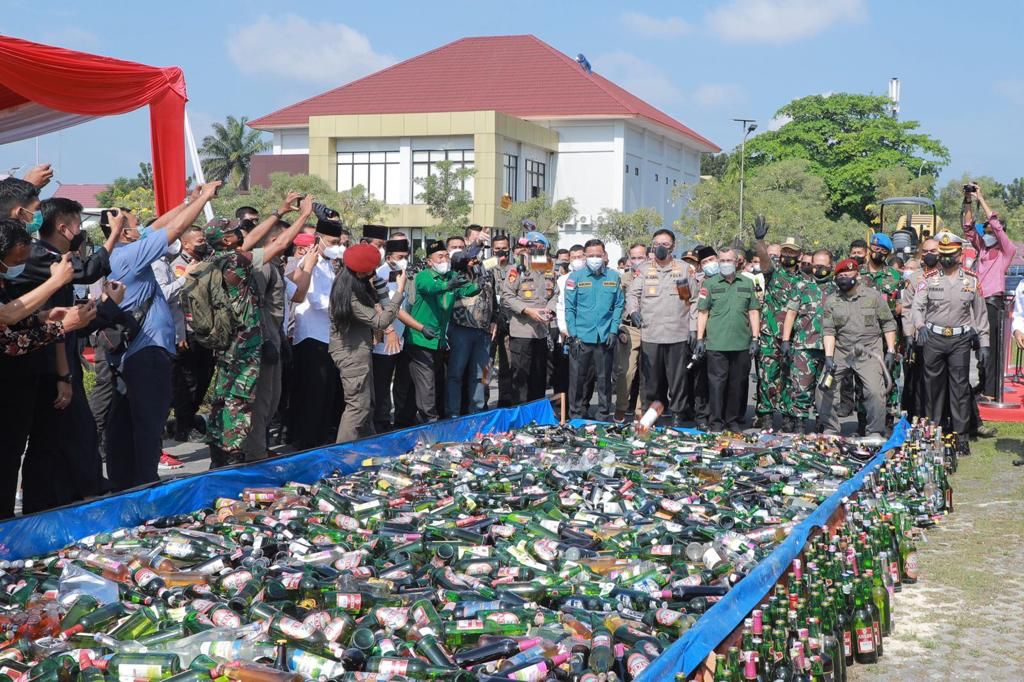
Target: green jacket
433 306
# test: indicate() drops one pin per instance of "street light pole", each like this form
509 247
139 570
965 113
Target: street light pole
749 125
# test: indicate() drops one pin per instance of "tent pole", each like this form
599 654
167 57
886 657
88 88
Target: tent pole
197 166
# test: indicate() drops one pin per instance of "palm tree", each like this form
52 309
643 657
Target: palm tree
228 151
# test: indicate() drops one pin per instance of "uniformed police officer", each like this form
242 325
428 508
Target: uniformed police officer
854 323
915 398
659 304
593 309
950 318
500 355
525 299
628 358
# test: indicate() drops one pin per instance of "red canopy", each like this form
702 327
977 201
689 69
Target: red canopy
44 89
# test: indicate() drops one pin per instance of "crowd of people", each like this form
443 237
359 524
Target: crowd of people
259 330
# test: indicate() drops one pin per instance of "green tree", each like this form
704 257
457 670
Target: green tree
1015 194
122 185
228 151
445 197
845 138
616 227
1000 198
355 206
714 165
546 214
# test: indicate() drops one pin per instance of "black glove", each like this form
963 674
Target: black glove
457 282
270 354
975 340
693 340
890 361
760 227
623 336
983 356
755 345
381 287
830 366
787 348
922 336
429 333
610 342
323 212
637 320
699 348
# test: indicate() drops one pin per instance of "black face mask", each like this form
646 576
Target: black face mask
806 268
859 259
661 252
822 272
845 283
500 253
930 259
949 261
788 261
878 258
201 251
77 241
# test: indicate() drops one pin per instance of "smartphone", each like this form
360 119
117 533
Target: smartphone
393 275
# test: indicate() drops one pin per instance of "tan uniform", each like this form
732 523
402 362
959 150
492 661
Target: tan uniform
519 292
628 355
653 294
951 302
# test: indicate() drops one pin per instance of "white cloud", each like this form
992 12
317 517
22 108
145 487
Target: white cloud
642 78
655 27
781 21
717 94
1012 90
296 48
779 121
72 38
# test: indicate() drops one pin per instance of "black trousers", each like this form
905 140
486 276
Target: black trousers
664 368
503 364
191 374
102 397
996 307
728 374
529 359
558 365
404 393
135 434
947 374
383 377
315 395
18 399
915 393
586 359
423 366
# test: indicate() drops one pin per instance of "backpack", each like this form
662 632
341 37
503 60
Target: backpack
204 300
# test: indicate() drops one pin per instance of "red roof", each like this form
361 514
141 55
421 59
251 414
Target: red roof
517 75
83 194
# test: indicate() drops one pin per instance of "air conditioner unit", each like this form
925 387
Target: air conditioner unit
582 220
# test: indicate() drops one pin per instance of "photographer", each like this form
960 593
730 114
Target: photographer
469 336
525 299
437 287
995 252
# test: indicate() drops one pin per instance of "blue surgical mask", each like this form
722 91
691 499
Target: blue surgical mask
907 274
595 263
710 269
36 222
12 271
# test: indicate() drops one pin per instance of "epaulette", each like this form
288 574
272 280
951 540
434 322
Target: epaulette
972 273
931 273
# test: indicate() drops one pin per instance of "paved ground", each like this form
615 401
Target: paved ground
964 620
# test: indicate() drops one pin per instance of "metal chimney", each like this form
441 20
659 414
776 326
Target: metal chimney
894 96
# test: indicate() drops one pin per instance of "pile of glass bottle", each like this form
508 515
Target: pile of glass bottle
547 553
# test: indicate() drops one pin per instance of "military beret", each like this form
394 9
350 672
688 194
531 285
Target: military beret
847 265
881 239
362 258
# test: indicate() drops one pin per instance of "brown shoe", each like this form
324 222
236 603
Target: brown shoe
620 416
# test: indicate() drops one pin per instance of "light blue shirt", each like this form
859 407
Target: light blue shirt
131 264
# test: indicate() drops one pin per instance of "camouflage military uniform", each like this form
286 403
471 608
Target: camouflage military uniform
772 370
889 282
238 367
808 301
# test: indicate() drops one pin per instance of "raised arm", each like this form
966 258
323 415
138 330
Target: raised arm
187 214
257 233
61 273
280 243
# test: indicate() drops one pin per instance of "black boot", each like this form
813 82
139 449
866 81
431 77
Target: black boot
217 457
788 424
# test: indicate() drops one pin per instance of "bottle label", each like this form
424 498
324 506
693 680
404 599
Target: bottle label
140 671
225 618
392 666
469 624
178 550
291 580
672 506
344 522
144 577
910 567
600 640
349 602
865 640
661 550
847 643
295 629
667 616
878 633
392 617
503 618
335 629
546 550
349 560
636 664
233 582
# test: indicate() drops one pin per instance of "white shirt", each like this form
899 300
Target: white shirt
312 316
1018 309
384 272
560 304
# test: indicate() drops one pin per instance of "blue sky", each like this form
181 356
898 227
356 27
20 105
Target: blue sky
703 62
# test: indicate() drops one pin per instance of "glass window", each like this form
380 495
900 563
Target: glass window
512 176
424 164
377 172
536 178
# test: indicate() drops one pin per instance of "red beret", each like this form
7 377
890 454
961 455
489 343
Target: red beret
847 265
304 239
362 258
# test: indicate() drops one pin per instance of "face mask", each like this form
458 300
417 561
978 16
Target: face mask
878 258
710 269
775 259
930 259
174 248
756 269
989 240
907 274
661 252
845 283
334 252
859 259
442 268
788 261
727 269
949 261
36 222
822 272
400 265
576 264
76 241
12 271
595 263
501 254
201 251
806 268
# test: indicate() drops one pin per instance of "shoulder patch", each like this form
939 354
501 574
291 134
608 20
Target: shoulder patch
570 283
513 275
179 270
703 291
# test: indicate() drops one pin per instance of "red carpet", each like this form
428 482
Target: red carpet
1012 393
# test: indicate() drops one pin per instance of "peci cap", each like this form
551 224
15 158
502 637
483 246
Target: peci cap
375 232
394 245
331 228
705 252
362 258
435 245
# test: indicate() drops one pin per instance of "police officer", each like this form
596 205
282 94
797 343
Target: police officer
659 304
950 319
525 300
915 397
500 356
593 309
628 360
803 346
780 283
855 320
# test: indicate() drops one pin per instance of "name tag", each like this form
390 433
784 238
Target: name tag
584 283
610 284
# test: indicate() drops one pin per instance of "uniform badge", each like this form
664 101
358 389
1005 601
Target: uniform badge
652 291
527 294
570 284
585 283
513 275
179 270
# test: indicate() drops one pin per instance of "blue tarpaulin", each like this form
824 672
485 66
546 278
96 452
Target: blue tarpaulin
47 531
690 650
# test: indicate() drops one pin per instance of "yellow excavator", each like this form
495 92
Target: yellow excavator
918 220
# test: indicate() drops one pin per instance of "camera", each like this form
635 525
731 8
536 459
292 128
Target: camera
324 212
467 262
970 188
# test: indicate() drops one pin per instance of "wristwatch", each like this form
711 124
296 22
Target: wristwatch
66 378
